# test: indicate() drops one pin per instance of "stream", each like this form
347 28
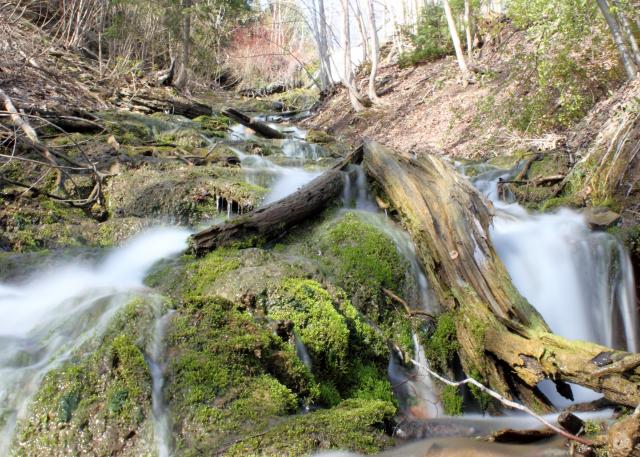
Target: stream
579 280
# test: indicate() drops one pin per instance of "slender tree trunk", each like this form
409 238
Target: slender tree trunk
324 37
357 11
468 26
183 77
455 38
619 40
626 27
315 19
375 49
348 72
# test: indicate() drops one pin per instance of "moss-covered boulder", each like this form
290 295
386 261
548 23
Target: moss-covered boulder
184 195
355 425
319 137
229 375
99 401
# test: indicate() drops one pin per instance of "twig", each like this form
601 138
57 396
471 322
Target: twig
506 402
628 363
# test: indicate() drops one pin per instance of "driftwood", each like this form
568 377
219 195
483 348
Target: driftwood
259 127
276 88
149 102
503 339
271 221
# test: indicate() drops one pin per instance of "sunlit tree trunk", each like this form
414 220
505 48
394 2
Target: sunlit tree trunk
375 50
626 27
455 38
468 27
183 75
362 28
324 39
618 38
348 72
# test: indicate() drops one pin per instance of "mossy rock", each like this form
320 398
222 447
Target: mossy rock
229 375
99 402
354 425
185 138
319 137
214 125
185 195
348 355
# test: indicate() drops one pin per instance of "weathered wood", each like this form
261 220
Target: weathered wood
150 102
259 127
271 221
570 422
502 337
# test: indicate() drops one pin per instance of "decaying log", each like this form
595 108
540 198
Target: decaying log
271 221
259 127
149 103
502 337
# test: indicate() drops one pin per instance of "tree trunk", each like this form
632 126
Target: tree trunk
454 37
324 37
357 11
183 77
468 26
261 128
375 50
503 340
271 221
619 40
626 27
149 102
354 96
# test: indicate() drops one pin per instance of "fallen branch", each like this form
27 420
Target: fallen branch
271 221
259 127
508 403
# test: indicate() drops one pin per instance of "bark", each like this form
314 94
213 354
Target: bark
261 128
150 102
502 337
467 27
626 27
618 39
324 40
455 38
375 50
272 221
348 79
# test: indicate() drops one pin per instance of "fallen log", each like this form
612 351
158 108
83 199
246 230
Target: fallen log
148 103
271 221
259 127
503 339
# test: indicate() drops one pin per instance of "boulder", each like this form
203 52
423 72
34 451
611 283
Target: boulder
600 218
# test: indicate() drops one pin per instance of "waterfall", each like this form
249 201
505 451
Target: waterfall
157 365
51 315
301 351
579 280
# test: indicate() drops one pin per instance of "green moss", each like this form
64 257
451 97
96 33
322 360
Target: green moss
442 345
202 274
362 260
319 137
230 374
215 125
97 398
452 401
354 425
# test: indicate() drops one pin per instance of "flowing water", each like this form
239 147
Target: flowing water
580 281
52 314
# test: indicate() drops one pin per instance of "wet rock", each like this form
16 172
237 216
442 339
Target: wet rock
600 218
570 422
319 137
624 437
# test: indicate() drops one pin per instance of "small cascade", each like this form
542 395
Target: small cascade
50 316
157 365
356 193
579 280
301 352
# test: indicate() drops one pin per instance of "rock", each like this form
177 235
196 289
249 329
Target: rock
600 218
624 437
570 422
319 137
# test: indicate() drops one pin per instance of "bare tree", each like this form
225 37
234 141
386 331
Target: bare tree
455 38
619 39
348 78
375 50
628 32
468 27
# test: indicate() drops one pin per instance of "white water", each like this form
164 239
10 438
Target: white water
157 364
580 281
49 316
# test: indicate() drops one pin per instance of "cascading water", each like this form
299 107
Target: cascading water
157 364
48 317
414 388
581 281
